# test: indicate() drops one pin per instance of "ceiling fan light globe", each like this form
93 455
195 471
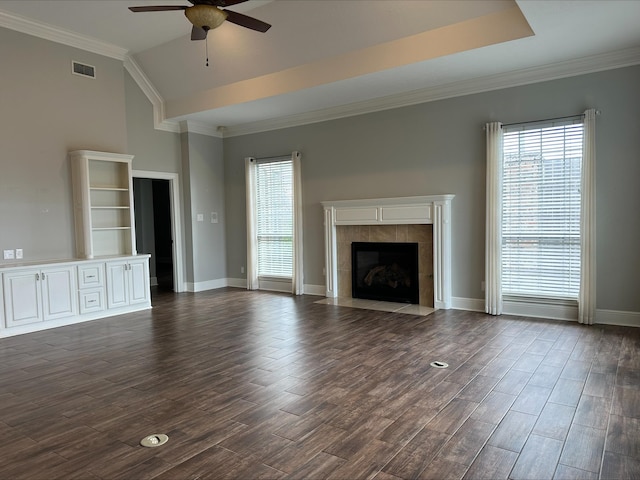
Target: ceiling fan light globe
206 17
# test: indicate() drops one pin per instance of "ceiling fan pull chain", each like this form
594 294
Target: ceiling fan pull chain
206 46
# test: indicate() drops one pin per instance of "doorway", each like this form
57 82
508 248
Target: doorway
156 206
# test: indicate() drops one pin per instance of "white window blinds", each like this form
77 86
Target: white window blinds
541 210
274 214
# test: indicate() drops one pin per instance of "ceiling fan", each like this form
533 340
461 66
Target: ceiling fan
206 15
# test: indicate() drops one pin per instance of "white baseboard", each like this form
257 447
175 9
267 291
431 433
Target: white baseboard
315 290
555 312
472 304
541 310
617 317
525 309
237 282
275 285
207 285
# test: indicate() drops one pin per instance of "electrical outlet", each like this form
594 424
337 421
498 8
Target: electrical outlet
214 217
200 217
8 255
19 253
241 269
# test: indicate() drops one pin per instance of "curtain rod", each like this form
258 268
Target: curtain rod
547 119
257 159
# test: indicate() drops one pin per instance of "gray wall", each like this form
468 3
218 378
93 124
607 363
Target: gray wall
203 167
46 111
154 150
439 147
433 148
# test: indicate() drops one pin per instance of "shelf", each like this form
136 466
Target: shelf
109 189
111 207
109 198
103 203
111 241
108 175
103 229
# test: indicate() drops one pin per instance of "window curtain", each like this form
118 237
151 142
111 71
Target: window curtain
252 238
493 242
297 280
587 295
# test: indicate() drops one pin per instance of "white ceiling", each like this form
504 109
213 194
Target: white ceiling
330 58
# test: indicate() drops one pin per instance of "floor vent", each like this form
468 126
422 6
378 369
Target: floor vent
439 364
84 70
154 440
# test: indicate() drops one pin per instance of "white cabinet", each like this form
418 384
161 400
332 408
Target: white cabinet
38 296
22 298
35 295
127 282
91 289
103 203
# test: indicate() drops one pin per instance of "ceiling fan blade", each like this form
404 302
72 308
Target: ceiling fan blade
158 8
217 3
247 21
198 33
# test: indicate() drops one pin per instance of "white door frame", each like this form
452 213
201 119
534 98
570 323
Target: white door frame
176 221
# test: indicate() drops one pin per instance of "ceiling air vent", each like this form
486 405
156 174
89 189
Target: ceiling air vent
84 70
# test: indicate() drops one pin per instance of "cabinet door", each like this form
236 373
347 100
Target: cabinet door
91 275
22 297
117 284
58 292
138 281
91 300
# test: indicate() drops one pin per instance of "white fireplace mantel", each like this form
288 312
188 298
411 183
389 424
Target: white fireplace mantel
431 209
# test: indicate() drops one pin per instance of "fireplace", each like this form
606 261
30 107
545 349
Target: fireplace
405 216
385 271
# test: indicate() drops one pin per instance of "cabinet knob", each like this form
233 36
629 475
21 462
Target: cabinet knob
91 276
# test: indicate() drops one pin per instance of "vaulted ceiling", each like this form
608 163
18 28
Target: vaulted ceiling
329 58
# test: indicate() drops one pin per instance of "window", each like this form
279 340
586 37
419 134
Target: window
541 209
274 218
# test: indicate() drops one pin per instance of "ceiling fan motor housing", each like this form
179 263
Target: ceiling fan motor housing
206 17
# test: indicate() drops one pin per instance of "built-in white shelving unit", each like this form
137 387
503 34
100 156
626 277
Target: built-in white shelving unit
103 203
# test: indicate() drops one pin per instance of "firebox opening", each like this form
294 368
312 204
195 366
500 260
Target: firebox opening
385 271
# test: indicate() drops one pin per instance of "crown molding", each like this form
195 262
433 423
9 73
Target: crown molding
189 126
58 35
90 44
571 68
138 75
580 66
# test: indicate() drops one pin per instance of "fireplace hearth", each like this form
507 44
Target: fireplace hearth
385 271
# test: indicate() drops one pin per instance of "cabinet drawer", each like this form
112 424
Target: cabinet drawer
91 276
92 300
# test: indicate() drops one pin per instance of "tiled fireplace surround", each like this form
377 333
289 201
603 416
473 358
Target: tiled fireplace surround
420 234
425 220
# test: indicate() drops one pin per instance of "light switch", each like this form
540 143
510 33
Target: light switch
8 254
19 253
200 217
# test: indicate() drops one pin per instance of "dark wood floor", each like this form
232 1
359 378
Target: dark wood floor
259 385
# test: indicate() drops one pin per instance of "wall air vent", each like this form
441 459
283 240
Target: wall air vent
83 70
